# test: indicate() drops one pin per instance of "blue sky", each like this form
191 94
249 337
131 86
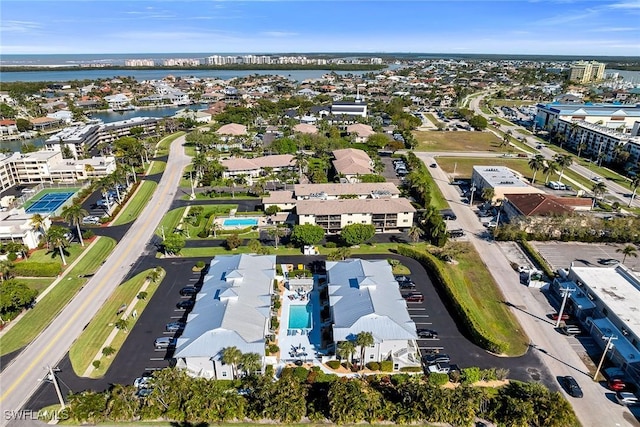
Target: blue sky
564 27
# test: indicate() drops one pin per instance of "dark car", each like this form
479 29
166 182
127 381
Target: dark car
414 297
186 304
433 165
571 385
188 291
429 359
427 333
448 214
456 233
407 285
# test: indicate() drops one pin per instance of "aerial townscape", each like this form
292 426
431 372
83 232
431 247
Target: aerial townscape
311 238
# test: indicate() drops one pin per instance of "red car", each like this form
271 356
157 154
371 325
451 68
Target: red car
414 297
619 384
565 316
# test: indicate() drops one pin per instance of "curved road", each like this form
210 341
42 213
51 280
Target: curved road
21 378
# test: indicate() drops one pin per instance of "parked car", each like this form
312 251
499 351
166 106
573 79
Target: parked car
142 382
186 304
439 368
429 359
164 342
188 291
447 214
456 233
402 279
524 269
620 384
564 316
626 398
427 333
91 220
571 330
175 326
414 297
571 386
433 165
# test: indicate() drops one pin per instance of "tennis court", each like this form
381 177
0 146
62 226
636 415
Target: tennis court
49 202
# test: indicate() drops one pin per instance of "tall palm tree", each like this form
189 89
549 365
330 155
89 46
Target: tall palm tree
231 356
345 350
37 222
598 190
635 183
5 269
250 362
628 250
56 237
415 233
581 146
564 161
73 214
301 162
536 163
364 340
549 169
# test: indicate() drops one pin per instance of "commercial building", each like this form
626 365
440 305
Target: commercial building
586 72
605 300
233 309
364 297
501 180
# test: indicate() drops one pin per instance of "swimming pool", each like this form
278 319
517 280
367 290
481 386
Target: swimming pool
49 203
300 316
229 222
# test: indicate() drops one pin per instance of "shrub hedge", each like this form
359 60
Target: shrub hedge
537 258
37 269
333 364
479 334
438 379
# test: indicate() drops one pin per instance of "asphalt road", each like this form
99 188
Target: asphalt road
21 378
531 308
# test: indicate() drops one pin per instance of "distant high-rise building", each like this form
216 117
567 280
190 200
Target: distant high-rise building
585 72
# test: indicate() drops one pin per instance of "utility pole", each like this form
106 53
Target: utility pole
565 294
473 190
51 376
193 194
604 353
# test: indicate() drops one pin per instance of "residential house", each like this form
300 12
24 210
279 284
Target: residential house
258 167
360 132
351 163
16 226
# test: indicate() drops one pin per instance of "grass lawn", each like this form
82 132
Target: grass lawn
400 270
90 342
502 121
171 220
220 196
510 102
36 319
37 283
53 254
162 149
457 141
190 149
185 181
378 248
137 203
45 191
157 166
464 165
481 295
431 118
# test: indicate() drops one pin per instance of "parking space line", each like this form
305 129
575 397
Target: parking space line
423 323
419 315
417 308
431 348
175 317
156 359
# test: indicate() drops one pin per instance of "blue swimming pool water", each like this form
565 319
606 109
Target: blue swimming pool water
240 221
49 202
300 316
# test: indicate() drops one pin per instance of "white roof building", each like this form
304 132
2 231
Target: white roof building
232 310
364 297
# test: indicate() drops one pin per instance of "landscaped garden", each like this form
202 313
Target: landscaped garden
198 223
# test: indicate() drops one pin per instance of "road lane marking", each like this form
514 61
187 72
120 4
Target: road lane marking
97 288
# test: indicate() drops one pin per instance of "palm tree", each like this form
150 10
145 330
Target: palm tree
364 340
215 227
628 250
250 362
345 350
37 222
73 214
488 193
231 356
564 161
5 269
598 189
635 183
550 169
415 233
301 162
536 163
56 237
276 233
581 146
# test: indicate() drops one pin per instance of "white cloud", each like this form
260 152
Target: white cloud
279 34
19 26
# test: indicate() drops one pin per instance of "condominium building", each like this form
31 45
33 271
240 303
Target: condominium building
615 116
585 72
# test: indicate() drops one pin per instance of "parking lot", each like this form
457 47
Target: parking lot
562 254
138 354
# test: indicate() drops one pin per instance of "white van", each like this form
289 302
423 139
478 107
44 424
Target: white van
554 185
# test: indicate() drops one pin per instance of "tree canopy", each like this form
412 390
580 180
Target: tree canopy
356 234
307 234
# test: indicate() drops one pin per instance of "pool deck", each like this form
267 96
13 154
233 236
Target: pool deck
300 344
261 222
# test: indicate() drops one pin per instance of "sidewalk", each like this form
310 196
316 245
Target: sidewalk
51 286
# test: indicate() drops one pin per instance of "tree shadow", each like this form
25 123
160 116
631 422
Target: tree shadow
55 252
188 424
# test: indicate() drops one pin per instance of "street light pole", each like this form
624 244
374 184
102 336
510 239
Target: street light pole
473 190
565 295
604 353
193 194
52 377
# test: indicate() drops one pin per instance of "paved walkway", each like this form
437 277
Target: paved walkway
51 286
20 378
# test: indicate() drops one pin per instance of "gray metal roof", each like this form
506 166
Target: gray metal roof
232 308
366 298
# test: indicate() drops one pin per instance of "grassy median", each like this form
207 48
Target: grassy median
137 203
39 317
93 338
